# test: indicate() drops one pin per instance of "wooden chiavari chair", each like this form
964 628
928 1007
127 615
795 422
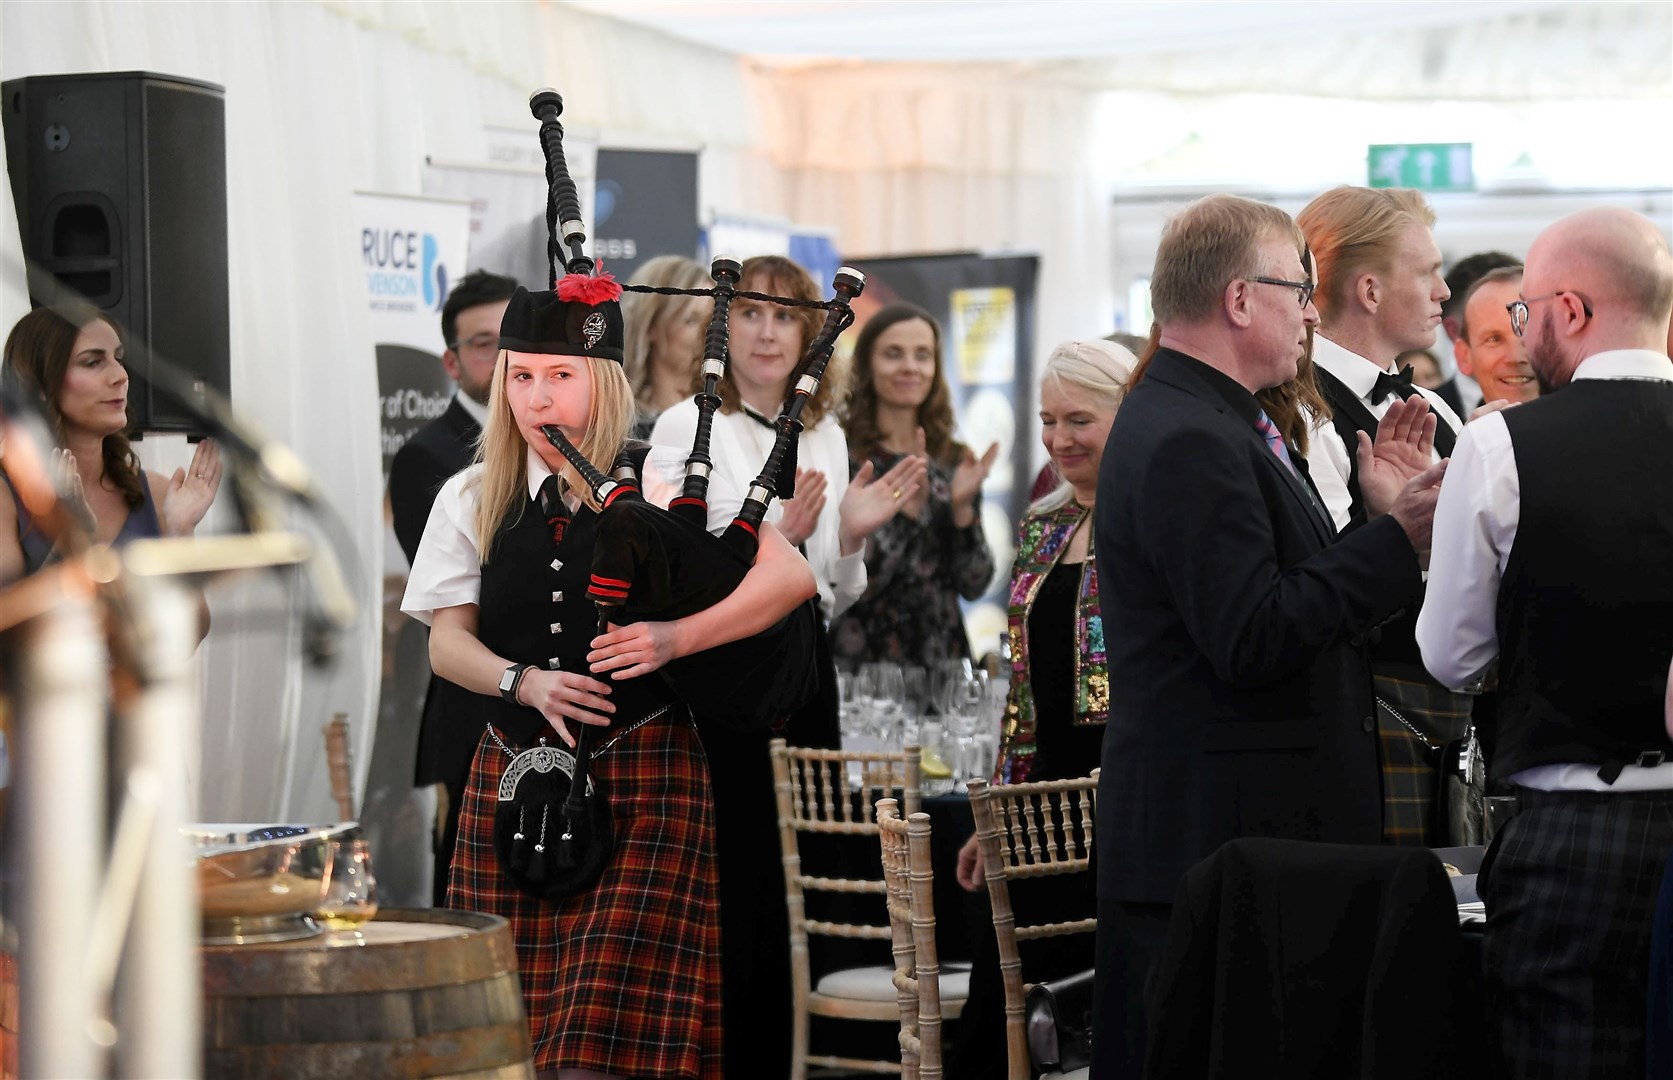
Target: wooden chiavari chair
1025 831
831 793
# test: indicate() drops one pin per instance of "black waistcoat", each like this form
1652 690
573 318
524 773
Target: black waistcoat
1395 643
534 610
1585 608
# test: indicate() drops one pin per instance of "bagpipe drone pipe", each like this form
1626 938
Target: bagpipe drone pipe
651 564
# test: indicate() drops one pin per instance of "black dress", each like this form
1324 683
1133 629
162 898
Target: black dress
1063 751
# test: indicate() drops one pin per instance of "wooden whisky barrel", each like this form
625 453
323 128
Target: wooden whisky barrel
424 993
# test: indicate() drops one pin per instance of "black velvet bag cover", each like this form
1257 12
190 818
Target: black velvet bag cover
553 834
669 568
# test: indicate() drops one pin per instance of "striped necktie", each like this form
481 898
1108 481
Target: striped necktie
552 505
1275 441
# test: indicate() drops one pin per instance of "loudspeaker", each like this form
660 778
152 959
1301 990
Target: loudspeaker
120 181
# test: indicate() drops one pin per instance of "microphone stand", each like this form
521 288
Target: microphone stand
133 984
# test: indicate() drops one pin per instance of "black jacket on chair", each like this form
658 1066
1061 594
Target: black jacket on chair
1315 960
1240 692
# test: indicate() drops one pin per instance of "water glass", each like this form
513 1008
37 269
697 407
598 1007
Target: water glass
939 760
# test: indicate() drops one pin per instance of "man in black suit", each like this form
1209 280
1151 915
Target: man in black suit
1554 555
470 325
1240 692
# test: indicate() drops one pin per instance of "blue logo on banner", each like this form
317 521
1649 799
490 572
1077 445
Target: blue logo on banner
434 275
606 194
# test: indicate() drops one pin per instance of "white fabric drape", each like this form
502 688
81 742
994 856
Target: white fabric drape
324 99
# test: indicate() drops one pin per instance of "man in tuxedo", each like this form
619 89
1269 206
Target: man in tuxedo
1487 348
1231 609
1553 552
470 327
1380 293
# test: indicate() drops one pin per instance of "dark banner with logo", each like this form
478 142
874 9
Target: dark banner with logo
645 205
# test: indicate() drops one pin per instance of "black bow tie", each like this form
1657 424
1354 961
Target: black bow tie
1387 384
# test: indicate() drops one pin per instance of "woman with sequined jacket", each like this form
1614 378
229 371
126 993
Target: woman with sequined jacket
1054 715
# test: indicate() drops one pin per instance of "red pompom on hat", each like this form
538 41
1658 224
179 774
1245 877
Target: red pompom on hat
589 288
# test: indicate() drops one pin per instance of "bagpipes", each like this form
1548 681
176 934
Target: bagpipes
651 564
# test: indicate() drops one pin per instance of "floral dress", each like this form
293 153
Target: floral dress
917 568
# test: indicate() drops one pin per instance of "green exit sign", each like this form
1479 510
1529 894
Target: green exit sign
1425 166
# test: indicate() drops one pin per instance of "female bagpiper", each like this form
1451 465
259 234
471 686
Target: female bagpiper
622 980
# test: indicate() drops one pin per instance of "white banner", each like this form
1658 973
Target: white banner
507 196
411 251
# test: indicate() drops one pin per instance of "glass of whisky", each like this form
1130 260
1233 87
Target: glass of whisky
350 898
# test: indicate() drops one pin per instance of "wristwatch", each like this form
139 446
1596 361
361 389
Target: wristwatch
509 682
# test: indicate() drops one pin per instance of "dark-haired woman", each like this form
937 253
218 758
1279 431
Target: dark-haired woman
933 552
69 359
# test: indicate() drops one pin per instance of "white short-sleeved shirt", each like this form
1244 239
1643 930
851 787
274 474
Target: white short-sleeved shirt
447 571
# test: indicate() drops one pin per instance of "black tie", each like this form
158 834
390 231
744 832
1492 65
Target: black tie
552 505
1387 384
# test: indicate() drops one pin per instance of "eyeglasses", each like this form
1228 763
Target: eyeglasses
1519 308
1305 288
481 343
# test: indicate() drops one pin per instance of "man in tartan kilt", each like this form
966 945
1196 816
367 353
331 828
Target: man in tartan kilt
1553 553
623 979
1380 293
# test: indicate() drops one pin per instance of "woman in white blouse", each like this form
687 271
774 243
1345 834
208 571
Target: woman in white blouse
830 518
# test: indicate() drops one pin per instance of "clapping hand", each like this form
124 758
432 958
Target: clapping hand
191 490
871 500
66 479
1404 448
801 514
967 481
1488 408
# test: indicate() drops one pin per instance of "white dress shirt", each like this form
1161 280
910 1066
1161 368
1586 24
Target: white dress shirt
447 570
1329 459
473 409
741 443
1475 527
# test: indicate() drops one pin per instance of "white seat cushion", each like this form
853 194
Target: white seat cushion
877 983
1078 1074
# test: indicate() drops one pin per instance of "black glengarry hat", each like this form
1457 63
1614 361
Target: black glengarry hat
581 317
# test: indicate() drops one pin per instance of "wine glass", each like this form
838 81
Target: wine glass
351 892
965 701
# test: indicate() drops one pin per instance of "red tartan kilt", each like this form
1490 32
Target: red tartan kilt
626 978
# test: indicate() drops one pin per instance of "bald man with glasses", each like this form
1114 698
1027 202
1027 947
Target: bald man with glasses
1553 556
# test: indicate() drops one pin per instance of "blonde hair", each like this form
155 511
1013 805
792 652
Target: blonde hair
643 311
1098 372
1352 230
503 484
1205 247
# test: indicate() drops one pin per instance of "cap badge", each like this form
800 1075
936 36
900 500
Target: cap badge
592 328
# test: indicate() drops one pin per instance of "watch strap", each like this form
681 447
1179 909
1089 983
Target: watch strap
509 693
